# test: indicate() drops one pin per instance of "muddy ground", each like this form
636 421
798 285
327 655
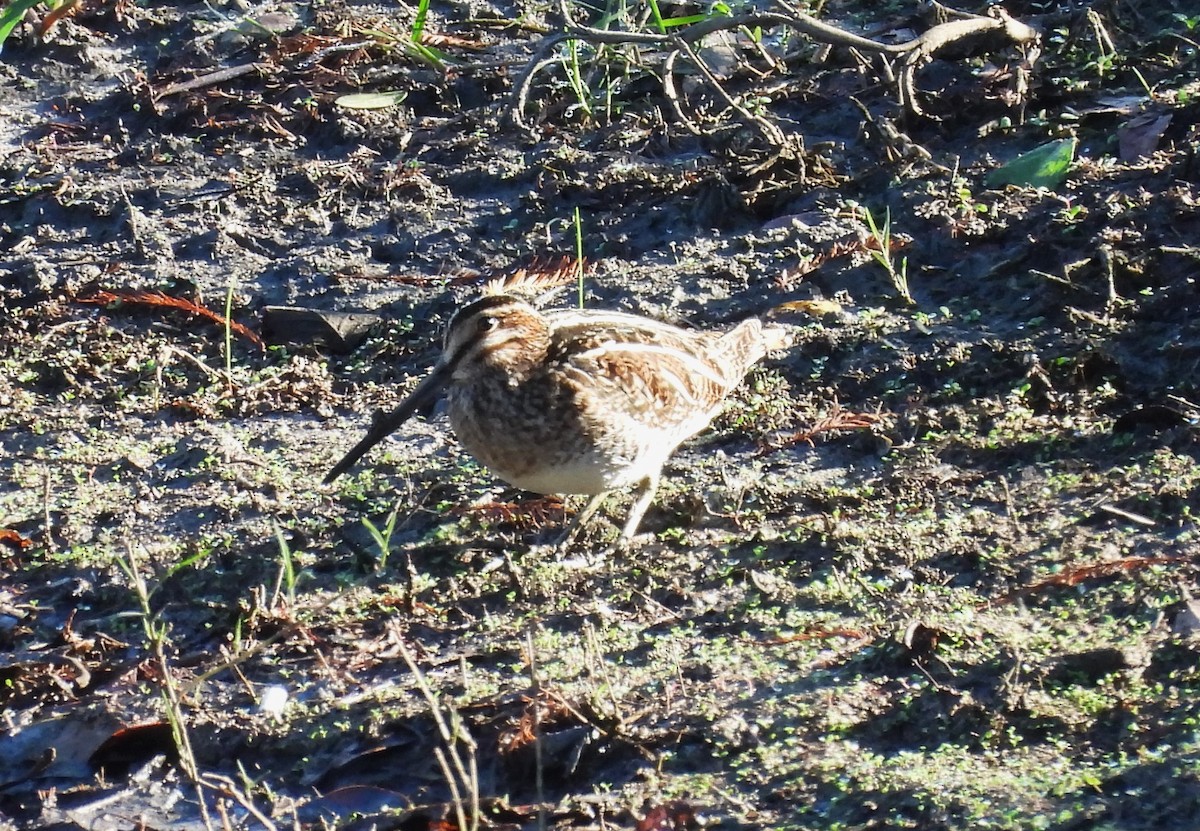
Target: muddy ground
933 568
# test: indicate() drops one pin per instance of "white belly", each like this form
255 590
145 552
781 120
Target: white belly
551 466
576 476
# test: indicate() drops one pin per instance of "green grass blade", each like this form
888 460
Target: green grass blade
419 22
658 18
686 20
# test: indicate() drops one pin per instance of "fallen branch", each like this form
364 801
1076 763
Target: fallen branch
770 132
910 55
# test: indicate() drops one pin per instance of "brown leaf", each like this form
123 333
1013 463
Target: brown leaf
1139 136
14 539
439 41
158 298
532 514
813 635
538 276
1074 576
546 710
817 308
674 816
837 419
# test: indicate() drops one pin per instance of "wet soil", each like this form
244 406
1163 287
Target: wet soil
932 568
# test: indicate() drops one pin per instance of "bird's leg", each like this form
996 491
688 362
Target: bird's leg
641 502
577 521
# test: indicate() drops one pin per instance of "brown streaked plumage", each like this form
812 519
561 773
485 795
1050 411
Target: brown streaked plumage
577 401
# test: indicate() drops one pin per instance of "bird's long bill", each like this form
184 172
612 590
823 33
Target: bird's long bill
384 423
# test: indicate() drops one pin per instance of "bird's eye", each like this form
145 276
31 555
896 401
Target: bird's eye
487 324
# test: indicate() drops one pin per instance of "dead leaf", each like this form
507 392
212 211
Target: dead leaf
538 276
674 816
1077 575
158 298
816 308
14 539
1138 137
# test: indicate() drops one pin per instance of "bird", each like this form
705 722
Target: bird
577 401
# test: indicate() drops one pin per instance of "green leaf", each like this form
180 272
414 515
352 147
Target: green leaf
1042 167
13 14
371 100
686 20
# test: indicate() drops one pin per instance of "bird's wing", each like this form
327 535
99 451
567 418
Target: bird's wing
657 374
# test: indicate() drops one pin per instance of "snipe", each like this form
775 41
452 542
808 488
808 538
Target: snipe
577 401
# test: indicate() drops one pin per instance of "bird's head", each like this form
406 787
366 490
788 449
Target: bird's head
496 332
